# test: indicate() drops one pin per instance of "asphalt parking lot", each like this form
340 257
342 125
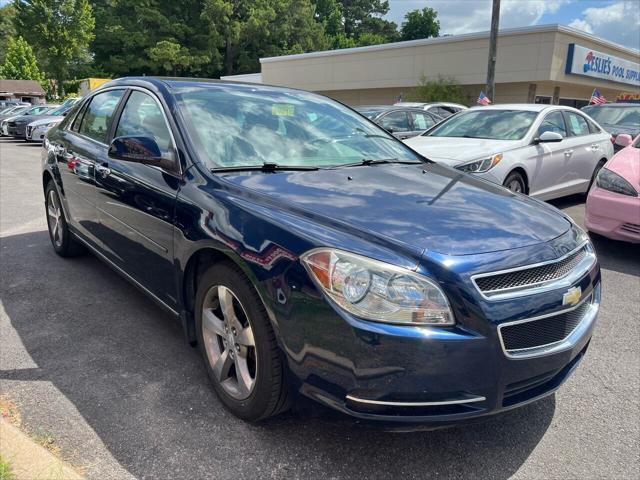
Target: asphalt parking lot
93 362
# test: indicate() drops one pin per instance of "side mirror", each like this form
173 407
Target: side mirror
623 140
548 137
139 149
64 114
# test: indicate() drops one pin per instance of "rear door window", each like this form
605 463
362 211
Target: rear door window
395 121
576 124
98 115
422 121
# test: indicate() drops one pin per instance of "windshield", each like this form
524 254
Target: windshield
6 110
491 124
615 115
59 110
16 110
247 126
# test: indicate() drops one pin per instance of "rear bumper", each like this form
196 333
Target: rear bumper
613 215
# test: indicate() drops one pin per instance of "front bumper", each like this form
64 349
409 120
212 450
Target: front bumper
431 376
37 134
613 215
16 130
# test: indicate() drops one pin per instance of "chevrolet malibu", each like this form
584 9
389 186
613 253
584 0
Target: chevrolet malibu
546 151
309 253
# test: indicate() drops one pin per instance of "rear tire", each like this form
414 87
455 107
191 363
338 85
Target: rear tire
63 241
238 345
515 182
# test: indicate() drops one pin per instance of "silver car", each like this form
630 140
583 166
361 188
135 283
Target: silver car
546 151
441 109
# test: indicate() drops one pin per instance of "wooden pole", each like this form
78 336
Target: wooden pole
493 45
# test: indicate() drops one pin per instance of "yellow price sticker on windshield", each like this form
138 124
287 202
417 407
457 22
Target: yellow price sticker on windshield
282 110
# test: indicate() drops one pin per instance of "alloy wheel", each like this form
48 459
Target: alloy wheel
228 342
54 218
515 186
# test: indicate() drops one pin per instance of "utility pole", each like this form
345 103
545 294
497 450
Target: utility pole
493 41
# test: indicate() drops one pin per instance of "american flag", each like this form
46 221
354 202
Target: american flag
483 99
597 98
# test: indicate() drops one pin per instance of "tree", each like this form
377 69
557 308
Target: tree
130 27
7 30
443 89
355 12
20 63
420 24
173 57
245 30
60 31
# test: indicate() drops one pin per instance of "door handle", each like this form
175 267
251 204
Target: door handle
595 147
103 171
568 152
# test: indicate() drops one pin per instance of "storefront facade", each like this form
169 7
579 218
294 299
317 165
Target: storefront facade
543 64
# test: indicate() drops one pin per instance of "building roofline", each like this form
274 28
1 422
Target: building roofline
457 38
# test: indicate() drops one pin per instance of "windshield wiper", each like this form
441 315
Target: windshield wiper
371 161
265 167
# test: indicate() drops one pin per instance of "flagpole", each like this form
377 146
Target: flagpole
591 97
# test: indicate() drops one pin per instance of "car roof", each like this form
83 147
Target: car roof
615 105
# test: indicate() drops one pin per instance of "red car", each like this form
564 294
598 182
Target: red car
613 204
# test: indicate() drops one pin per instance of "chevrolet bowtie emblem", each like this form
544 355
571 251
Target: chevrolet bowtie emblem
573 296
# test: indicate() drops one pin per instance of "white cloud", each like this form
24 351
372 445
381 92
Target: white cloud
618 22
581 25
465 16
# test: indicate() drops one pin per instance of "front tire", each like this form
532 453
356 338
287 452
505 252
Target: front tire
64 243
515 182
238 345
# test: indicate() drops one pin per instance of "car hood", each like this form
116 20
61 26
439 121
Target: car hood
616 130
626 163
453 151
43 120
425 207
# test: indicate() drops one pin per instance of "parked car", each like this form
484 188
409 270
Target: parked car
541 150
309 252
11 111
613 203
17 126
441 109
402 122
13 103
27 111
36 130
616 118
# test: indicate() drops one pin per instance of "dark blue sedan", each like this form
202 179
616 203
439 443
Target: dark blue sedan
307 252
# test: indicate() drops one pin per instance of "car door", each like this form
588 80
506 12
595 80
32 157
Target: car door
136 202
549 164
421 121
77 149
397 123
586 149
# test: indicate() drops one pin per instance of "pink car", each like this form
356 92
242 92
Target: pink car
613 204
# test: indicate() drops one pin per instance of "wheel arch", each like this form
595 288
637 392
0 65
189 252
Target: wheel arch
522 172
46 178
198 261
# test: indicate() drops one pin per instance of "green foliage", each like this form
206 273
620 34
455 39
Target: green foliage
20 63
443 89
6 470
245 30
420 24
71 87
7 30
60 31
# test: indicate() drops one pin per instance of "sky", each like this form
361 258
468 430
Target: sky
614 20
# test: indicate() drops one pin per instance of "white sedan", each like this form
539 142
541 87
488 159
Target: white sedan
546 151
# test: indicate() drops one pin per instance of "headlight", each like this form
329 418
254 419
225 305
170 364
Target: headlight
480 166
608 180
376 290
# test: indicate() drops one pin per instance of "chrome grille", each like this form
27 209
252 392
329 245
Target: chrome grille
543 332
29 130
530 276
